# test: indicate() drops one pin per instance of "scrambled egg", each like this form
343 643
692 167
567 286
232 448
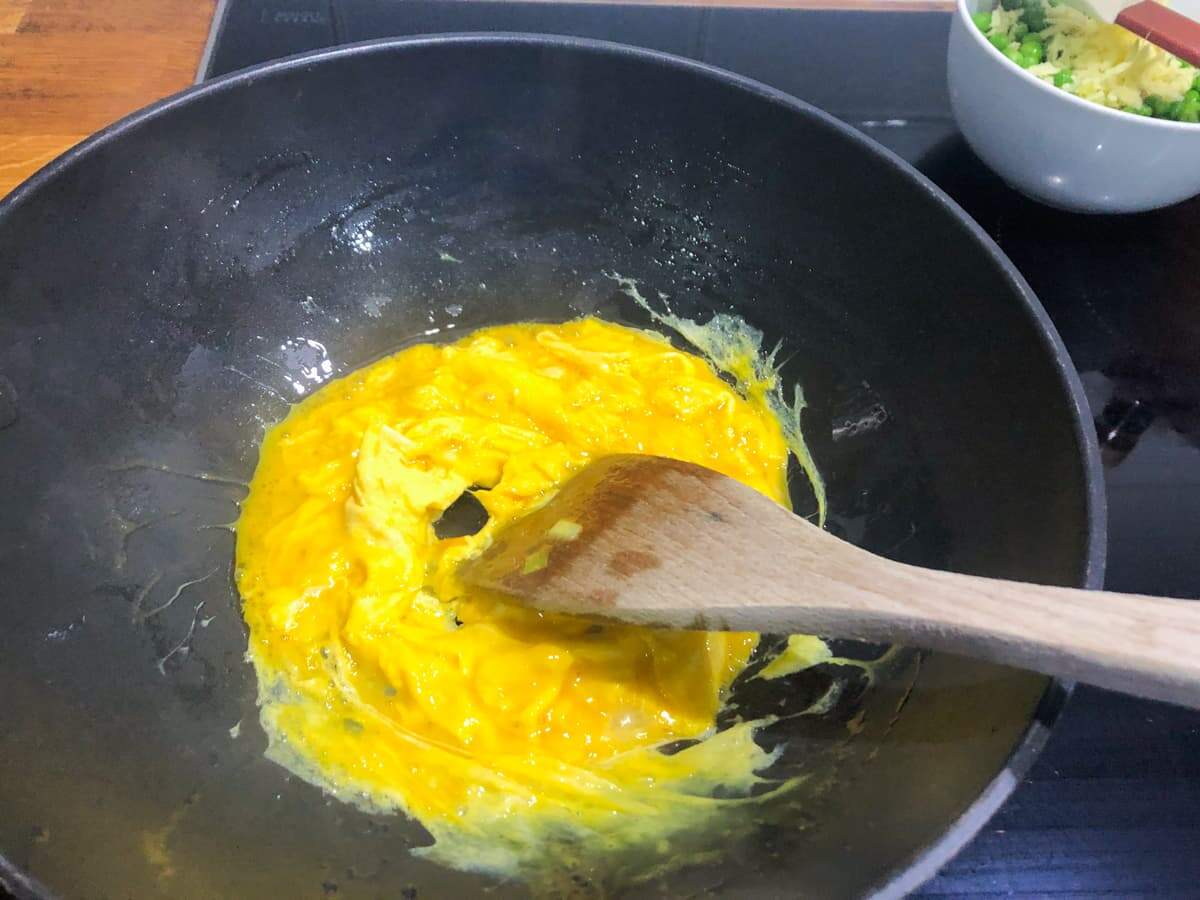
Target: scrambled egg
528 745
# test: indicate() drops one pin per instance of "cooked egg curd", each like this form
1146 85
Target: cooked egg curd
529 745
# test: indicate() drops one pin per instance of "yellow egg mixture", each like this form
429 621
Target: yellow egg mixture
527 744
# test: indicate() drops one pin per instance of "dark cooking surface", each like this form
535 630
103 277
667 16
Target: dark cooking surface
1113 806
150 341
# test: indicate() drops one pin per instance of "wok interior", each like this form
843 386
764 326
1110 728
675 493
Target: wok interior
167 294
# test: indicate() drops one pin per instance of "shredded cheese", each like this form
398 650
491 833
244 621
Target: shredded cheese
1107 64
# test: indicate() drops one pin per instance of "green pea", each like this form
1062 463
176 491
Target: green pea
983 21
1034 15
1189 108
1063 77
1033 50
1196 84
999 41
1014 53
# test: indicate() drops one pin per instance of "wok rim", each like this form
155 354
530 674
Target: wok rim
908 875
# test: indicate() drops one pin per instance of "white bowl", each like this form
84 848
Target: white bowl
1059 149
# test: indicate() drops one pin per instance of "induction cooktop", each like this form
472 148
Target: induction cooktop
1112 808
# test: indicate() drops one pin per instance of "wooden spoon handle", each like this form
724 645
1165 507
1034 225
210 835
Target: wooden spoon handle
1164 28
1142 645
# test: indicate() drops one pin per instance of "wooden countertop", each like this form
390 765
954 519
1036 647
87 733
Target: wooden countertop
70 67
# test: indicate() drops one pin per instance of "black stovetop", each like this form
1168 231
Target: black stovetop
1113 806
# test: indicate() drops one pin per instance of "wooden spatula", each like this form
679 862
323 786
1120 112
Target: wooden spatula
1148 19
653 541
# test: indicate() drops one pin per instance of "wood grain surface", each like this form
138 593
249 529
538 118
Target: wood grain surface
654 541
70 67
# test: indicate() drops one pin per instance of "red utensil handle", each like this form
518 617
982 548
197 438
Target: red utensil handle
1164 28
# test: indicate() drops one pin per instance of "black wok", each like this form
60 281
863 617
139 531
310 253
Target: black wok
165 287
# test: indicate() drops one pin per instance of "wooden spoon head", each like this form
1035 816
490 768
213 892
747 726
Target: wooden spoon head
1174 32
629 537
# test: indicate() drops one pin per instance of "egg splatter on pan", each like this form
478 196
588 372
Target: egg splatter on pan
529 745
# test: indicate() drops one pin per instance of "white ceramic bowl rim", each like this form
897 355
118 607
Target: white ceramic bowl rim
1148 121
